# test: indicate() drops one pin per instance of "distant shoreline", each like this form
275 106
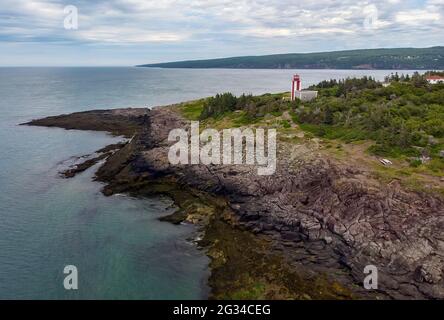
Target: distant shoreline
365 59
243 68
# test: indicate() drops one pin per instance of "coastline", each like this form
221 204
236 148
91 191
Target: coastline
297 235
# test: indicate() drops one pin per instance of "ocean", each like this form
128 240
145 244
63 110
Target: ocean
119 247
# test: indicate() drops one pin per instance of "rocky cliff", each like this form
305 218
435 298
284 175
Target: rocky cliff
315 212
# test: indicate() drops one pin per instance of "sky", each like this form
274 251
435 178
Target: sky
131 32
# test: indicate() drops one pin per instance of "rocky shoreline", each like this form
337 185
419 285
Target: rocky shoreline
306 232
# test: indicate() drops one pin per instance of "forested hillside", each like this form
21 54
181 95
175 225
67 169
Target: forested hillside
400 58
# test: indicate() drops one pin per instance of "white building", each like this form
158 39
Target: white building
306 95
435 79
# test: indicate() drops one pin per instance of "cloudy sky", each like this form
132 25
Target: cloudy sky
129 32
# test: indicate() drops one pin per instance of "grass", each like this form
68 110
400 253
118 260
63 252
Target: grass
436 166
332 132
286 124
421 178
192 110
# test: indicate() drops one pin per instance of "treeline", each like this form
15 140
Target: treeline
397 58
339 88
417 79
405 117
254 106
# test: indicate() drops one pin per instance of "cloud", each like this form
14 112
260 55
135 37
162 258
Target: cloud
226 27
111 34
416 17
136 21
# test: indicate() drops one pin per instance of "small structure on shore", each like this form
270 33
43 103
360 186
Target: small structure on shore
298 93
435 79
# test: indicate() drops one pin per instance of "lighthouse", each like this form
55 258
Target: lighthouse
296 85
298 93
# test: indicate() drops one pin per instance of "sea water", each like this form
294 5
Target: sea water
119 247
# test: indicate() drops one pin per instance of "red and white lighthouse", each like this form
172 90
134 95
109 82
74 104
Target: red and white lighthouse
298 93
296 85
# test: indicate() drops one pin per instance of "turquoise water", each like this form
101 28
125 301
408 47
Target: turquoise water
120 248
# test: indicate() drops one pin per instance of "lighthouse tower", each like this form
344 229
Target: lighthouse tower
298 93
296 86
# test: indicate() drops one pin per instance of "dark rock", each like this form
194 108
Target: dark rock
309 198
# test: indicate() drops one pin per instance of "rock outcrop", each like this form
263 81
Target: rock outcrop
318 212
310 199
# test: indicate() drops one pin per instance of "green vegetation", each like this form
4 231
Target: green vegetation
400 58
192 110
405 120
250 108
